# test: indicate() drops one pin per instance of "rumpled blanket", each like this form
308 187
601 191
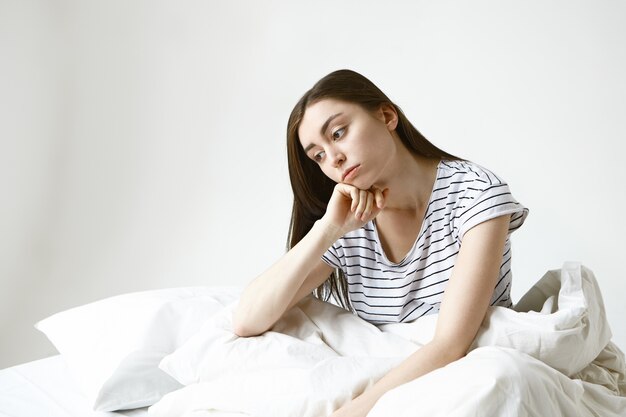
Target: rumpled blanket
549 356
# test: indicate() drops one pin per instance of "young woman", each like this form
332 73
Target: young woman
390 225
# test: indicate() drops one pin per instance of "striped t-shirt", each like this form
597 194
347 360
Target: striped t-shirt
380 291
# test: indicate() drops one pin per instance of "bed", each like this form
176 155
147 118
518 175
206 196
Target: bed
45 388
172 352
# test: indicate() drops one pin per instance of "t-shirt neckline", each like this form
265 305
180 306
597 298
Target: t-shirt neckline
409 254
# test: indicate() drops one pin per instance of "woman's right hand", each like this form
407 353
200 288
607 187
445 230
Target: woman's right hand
349 208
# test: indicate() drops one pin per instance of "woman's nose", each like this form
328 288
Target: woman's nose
338 158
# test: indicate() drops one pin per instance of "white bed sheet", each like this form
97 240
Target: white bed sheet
44 388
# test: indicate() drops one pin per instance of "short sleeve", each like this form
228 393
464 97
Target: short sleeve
485 203
332 256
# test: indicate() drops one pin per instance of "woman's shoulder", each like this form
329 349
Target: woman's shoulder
467 171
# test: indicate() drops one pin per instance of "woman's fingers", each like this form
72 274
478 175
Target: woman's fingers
369 202
351 192
380 199
369 205
354 195
361 199
365 204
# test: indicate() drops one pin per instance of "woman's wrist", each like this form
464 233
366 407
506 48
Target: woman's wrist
329 230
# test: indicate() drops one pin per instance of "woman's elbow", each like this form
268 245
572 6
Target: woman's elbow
244 327
242 330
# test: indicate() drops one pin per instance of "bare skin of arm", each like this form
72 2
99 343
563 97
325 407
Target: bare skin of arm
301 269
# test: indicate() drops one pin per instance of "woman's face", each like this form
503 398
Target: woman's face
350 144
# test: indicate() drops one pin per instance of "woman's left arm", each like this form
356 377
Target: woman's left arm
463 309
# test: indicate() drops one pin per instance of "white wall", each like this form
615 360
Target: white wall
143 141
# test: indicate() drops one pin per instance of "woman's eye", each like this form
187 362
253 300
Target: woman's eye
337 134
318 156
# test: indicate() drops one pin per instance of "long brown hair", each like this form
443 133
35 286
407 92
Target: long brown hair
312 189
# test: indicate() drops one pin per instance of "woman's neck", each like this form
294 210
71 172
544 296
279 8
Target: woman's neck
410 181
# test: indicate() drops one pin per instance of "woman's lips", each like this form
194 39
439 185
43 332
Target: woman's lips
350 173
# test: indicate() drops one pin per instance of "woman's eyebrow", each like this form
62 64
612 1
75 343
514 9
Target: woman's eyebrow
327 122
308 148
323 130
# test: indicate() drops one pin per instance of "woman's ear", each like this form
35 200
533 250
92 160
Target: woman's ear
389 116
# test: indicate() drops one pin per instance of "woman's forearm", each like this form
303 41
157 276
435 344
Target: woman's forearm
428 358
268 296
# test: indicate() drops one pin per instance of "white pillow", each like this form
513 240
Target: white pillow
113 346
306 335
561 321
283 372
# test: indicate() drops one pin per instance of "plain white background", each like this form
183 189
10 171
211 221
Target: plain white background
143 142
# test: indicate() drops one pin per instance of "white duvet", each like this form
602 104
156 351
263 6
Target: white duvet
550 356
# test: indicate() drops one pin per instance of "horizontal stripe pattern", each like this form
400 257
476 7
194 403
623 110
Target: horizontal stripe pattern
464 195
